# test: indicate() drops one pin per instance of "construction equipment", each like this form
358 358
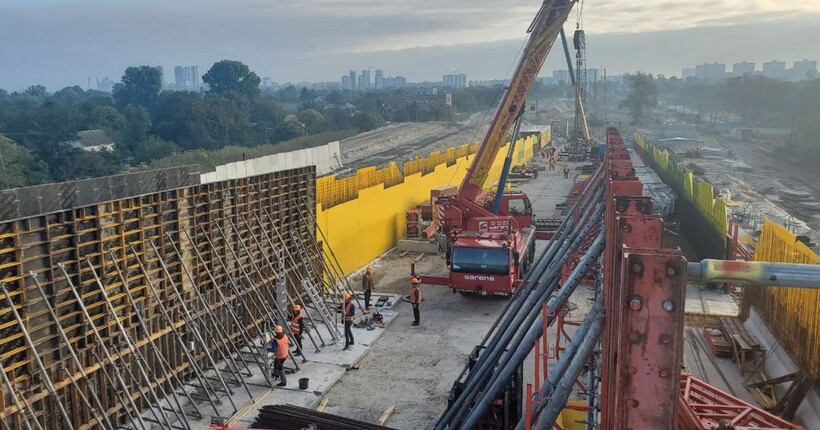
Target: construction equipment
491 241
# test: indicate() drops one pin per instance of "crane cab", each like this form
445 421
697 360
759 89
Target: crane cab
518 206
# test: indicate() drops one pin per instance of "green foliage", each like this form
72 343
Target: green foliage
18 167
289 130
140 86
313 120
643 94
153 148
366 121
232 76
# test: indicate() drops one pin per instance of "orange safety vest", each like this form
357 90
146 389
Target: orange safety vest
346 318
282 348
295 328
415 295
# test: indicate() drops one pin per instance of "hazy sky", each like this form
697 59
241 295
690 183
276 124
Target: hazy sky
61 42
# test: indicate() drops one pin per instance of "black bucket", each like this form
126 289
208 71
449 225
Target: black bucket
303 383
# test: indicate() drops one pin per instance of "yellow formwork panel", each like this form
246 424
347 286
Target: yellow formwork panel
362 222
792 313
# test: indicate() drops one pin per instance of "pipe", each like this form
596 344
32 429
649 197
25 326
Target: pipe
567 358
522 317
520 352
559 397
757 273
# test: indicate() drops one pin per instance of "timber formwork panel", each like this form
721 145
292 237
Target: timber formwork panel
110 238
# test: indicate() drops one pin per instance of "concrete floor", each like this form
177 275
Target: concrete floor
415 367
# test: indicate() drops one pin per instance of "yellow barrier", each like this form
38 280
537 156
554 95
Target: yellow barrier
363 216
793 314
697 191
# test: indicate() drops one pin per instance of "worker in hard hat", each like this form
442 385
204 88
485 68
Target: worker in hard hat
297 327
348 315
415 299
367 286
279 347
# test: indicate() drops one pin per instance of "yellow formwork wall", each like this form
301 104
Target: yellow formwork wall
697 191
793 314
362 220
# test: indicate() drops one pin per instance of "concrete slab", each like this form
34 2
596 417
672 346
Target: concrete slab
414 245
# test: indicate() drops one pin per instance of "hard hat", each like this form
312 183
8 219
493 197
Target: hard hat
278 329
346 296
415 280
297 308
369 269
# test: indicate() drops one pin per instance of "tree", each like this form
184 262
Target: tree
288 130
140 86
153 148
313 120
18 167
366 121
138 123
643 94
232 76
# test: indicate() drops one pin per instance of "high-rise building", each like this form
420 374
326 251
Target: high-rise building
804 70
352 75
193 76
455 81
378 81
687 72
744 68
395 82
346 83
774 69
180 77
710 72
186 78
365 77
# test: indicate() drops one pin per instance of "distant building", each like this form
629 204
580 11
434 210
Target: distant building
93 140
106 85
186 78
489 83
710 72
395 82
744 68
687 72
774 69
424 98
804 70
378 80
346 83
455 81
352 75
561 76
364 80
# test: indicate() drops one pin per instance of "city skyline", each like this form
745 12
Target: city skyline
480 37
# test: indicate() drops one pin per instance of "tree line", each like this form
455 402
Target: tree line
149 124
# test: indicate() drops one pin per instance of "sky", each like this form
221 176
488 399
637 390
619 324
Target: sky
63 42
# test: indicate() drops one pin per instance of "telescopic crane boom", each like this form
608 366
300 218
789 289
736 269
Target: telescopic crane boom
542 34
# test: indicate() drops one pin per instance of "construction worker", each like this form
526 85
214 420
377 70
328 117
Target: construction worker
297 327
415 299
279 348
367 286
348 315
552 163
566 171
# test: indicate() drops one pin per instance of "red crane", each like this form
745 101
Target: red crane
489 250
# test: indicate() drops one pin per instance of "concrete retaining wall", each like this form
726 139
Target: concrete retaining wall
326 158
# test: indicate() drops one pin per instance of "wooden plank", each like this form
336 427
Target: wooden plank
386 415
322 405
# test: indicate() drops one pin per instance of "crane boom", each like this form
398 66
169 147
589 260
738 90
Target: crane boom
543 32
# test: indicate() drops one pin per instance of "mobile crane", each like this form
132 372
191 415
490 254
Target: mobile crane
491 242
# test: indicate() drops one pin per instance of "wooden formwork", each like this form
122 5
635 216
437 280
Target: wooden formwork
119 234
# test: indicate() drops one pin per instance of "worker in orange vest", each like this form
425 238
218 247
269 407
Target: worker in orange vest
348 315
367 286
297 327
279 348
415 299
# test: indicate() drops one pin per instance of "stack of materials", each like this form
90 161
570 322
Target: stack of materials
287 417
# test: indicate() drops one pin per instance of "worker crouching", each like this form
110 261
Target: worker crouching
348 316
415 299
279 348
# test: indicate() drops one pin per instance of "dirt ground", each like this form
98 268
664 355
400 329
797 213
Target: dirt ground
415 367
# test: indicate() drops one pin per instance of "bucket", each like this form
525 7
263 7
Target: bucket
303 383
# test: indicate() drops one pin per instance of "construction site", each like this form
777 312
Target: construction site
492 274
